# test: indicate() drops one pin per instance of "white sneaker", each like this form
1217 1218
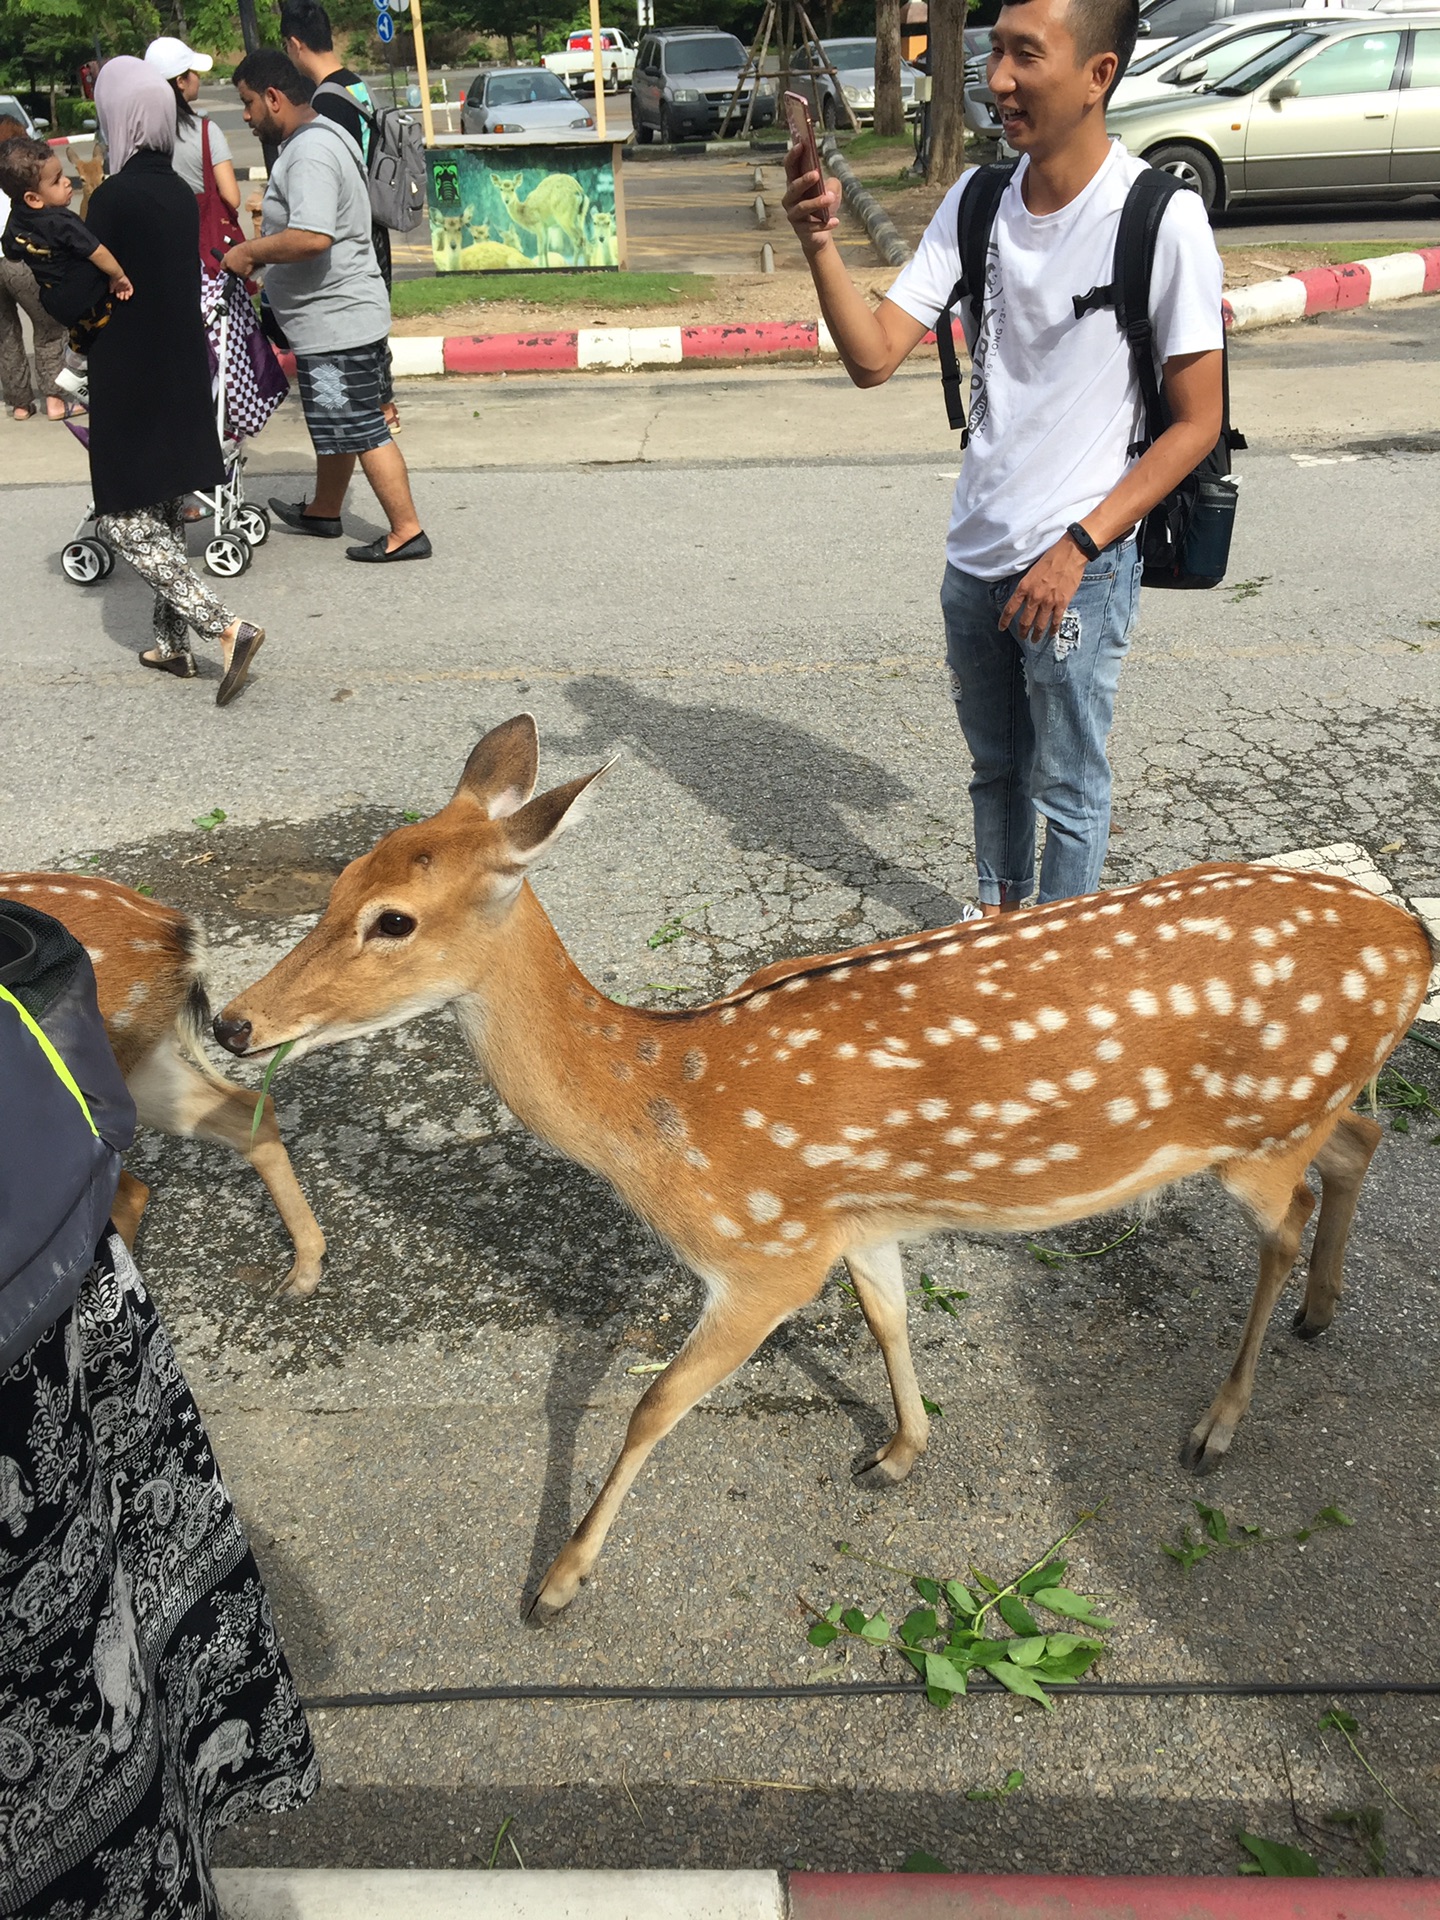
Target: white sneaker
75 383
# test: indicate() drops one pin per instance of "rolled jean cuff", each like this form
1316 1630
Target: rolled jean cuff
995 892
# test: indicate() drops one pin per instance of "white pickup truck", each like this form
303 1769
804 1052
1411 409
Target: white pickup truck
576 65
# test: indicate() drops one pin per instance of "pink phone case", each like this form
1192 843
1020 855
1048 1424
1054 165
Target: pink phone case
802 129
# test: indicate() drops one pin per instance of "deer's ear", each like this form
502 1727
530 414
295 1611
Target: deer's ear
500 774
536 827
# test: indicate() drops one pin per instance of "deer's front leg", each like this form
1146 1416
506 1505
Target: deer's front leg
732 1326
880 1288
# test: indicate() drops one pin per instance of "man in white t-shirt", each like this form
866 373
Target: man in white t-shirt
1043 573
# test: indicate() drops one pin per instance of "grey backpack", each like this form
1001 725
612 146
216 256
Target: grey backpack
395 164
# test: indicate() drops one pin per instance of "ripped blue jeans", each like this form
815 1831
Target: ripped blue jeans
1036 719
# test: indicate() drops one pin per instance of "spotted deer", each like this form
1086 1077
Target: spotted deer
149 980
1009 1075
554 210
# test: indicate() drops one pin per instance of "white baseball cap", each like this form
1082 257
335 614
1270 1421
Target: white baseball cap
171 57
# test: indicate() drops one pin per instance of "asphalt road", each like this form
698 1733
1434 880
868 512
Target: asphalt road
671 568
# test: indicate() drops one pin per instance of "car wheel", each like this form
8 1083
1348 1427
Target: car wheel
1193 168
643 133
829 114
665 130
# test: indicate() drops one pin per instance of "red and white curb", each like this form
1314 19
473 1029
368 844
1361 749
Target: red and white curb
1298 296
618 349
323 1894
1360 283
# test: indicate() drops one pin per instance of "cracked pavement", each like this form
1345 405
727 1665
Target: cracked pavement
760 634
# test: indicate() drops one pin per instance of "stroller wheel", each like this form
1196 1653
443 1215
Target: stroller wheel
252 524
86 562
227 555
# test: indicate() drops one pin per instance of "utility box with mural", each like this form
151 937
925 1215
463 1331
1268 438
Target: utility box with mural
505 205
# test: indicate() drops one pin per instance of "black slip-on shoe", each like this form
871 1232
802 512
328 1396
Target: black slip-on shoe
417 547
295 517
248 642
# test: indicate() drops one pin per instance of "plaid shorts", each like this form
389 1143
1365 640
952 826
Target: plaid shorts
342 395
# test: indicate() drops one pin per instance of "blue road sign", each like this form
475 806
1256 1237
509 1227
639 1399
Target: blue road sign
385 27
382 6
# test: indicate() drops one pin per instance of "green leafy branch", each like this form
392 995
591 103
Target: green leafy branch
1402 1097
1056 1257
1347 1726
1025 1661
1217 1535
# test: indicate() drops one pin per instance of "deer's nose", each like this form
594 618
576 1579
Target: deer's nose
234 1034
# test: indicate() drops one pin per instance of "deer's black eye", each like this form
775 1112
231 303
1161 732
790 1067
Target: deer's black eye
392 926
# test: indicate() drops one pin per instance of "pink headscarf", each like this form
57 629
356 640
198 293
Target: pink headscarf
136 108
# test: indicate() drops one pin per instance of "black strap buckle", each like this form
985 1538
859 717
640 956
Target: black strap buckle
1095 301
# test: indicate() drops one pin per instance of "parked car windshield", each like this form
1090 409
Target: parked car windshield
1174 17
521 89
1268 64
716 50
1231 55
850 55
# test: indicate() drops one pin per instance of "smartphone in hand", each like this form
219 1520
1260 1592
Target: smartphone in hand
802 131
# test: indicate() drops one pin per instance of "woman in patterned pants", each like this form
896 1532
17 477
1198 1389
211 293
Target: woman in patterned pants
153 436
152 539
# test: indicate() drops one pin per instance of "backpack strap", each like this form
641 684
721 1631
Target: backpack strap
367 114
979 204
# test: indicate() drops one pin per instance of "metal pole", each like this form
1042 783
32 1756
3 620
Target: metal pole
249 26
427 118
599 76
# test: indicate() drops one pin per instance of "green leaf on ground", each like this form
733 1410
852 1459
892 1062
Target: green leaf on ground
1070 1606
921 1862
207 822
1274 1858
1015 1614
932 1407
1012 1783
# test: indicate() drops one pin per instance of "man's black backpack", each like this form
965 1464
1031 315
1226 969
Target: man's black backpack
1185 540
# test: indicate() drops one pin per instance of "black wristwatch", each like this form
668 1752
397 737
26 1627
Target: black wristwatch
1082 540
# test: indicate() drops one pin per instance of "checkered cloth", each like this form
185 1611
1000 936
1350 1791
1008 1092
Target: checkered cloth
254 381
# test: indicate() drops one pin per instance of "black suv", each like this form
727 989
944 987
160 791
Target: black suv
685 78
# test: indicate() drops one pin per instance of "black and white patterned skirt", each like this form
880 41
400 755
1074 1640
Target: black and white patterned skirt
144 1699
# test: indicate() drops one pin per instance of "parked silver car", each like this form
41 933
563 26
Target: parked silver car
1205 58
1344 108
521 100
685 80
854 64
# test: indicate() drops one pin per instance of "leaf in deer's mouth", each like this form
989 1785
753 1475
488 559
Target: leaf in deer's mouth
275 1059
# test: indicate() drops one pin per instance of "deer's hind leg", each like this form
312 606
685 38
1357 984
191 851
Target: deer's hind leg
737 1317
1342 1164
1280 1242
880 1288
175 1097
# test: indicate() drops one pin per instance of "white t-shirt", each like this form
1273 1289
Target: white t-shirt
1055 405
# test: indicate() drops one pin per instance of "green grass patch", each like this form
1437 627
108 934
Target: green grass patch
872 146
411 297
1337 253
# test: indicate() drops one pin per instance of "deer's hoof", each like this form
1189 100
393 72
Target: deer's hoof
887 1468
1206 1447
553 1596
302 1280
1304 1330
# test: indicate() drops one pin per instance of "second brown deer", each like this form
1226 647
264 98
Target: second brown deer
1013 1075
149 980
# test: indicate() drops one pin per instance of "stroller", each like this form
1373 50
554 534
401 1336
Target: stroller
240 527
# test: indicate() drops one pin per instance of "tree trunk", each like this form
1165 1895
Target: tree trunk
510 48
889 108
947 100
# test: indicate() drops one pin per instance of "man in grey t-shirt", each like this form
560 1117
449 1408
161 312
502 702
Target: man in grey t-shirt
326 292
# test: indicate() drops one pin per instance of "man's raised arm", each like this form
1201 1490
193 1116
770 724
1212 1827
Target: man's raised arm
871 341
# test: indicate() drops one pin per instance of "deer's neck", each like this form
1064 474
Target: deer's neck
558 1052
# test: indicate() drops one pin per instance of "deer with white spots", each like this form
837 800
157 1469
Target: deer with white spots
149 981
1007 1075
